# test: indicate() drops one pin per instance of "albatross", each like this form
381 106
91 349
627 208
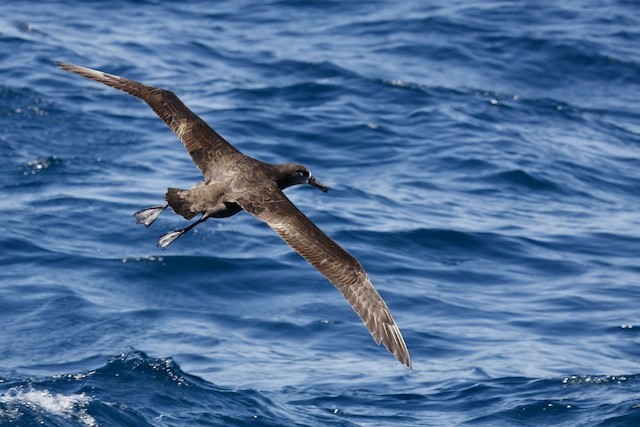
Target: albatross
233 182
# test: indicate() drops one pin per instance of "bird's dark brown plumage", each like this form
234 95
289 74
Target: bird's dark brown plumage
234 180
336 264
203 143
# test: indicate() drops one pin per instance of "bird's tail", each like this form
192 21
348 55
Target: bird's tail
179 201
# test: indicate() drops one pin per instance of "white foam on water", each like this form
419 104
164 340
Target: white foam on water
68 406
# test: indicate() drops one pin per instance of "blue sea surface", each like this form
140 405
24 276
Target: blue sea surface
484 165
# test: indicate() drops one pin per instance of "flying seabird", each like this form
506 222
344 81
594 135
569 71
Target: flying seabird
233 182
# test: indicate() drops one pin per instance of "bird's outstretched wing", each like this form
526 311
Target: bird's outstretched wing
336 264
203 143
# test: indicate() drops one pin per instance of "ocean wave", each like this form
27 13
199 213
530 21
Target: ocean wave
127 391
21 406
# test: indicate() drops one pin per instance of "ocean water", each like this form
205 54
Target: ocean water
484 165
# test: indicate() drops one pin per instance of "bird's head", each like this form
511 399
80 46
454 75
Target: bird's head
293 174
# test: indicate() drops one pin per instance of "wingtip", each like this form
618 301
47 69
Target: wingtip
69 67
61 64
394 342
407 362
404 358
87 72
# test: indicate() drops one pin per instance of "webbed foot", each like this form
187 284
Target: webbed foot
148 215
168 238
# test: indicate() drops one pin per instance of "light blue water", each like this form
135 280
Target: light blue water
484 165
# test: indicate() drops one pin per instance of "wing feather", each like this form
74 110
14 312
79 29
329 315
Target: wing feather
337 265
203 143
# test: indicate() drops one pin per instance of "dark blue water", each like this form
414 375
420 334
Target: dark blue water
484 165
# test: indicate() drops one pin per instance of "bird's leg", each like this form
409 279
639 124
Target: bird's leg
148 215
167 239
